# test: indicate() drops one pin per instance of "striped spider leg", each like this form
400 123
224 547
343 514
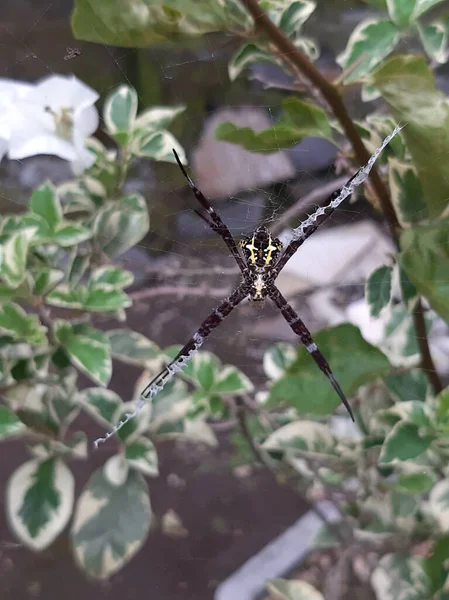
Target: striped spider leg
311 224
184 355
298 326
213 219
261 261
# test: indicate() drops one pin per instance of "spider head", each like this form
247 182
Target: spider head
261 249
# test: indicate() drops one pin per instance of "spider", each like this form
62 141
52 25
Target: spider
260 258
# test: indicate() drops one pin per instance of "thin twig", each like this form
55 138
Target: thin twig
427 364
293 56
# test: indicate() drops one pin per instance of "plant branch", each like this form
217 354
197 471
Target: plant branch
297 60
427 364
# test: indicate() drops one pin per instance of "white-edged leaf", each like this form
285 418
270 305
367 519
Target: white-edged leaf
141 455
45 279
157 117
113 276
158 145
230 380
434 38
246 55
122 224
293 590
103 405
15 251
378 289
88 349
116 470
308 436
39 500
407 193
10 424
400 577
400 11
199 431
423 6
120 109
133 348
370 42
403 443
439 504
69 233
111 523
295 15
202 370
277 359
20 325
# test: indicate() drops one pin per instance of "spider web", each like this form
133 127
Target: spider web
184 267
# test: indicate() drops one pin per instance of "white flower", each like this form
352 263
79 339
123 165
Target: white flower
10 93
56 116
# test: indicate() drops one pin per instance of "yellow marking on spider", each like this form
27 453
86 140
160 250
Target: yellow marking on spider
269 249
251 247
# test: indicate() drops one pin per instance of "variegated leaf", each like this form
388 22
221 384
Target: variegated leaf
20 325
277 359
370 42
44 201
378 289
439 504
158 145
113 276
308 436
120 110
111 523
403 443
10 424
407 193
116 470
103 405
434 38
133 348
293 590
400 577
157 117
141 455
15 251
39 499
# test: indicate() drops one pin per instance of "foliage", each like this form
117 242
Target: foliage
57 272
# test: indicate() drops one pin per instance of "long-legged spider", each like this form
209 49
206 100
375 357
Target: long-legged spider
260 258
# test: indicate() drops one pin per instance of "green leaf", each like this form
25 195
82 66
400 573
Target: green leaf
378 289
419 482
293 590
20 325
45 202
158 145
302 435
412 385
408 86
246 55
202 370
408 290
353 361
372 39
120 110
141 455
425 259
439 504
230 380
39 498
98 298
107 23
277 359
400 577
407 192
403 443
10 424
423 6
68 234
45 279
114 276
157 117
435 565
132 348
400 11
15 251
88 349
434 38
103 405
101 549
122 224
299 120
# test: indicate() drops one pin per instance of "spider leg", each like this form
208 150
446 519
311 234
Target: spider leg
184 355
215 222
311 224
298 326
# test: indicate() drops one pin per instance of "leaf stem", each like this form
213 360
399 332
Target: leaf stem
296 59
